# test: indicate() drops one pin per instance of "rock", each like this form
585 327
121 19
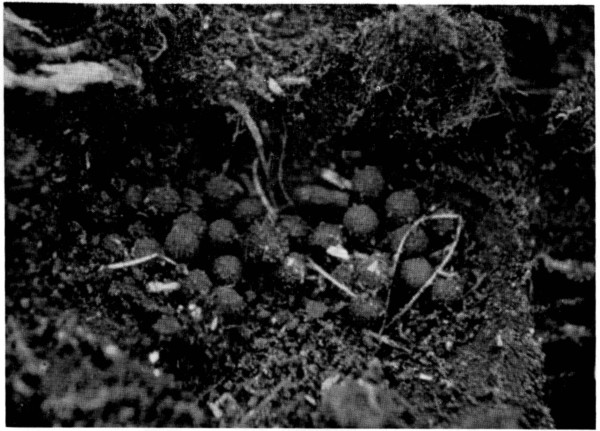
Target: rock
368 182
402 207
167 325
320 196
361 221
227 270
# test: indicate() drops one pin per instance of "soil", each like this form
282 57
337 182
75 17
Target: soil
88 345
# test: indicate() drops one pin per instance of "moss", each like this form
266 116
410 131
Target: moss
416 243
326 235
361 221
366 310
368 182
182 243
192 222
134 196
448 291
227 301
222 234
295 228
402 206
247 211
163 200
265 243
145 246
192 200
227 270
345 272
292 271
198 281
222 192
415 272
373 273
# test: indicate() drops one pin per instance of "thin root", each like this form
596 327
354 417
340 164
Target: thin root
437 271
138 261
280 167
271 213
384 339
341 286
244 111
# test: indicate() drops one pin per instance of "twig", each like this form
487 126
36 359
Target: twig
478 283
313 265
263 404
244 111
437 271
271 213
280 169
138 261
163 47
384 339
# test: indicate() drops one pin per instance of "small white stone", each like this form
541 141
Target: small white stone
157 372
111 351
154 357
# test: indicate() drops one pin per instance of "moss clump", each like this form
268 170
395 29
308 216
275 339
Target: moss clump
402 207
266 244
415 272
345 272
416 243
326 235
163 200
222 234
361 221
247 211
182 243
320 196
294 227
292 271
446 291
368 182
227 301
198 281
222 192
134 196
192 222
192 200
227 270
145 246
366 310
373 273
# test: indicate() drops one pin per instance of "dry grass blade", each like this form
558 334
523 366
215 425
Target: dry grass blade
271 213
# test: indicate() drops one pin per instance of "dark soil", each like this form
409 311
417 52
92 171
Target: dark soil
251 343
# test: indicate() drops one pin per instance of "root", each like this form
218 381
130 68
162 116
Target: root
138 261
244 111
341 286
271 213
280 168
439 270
